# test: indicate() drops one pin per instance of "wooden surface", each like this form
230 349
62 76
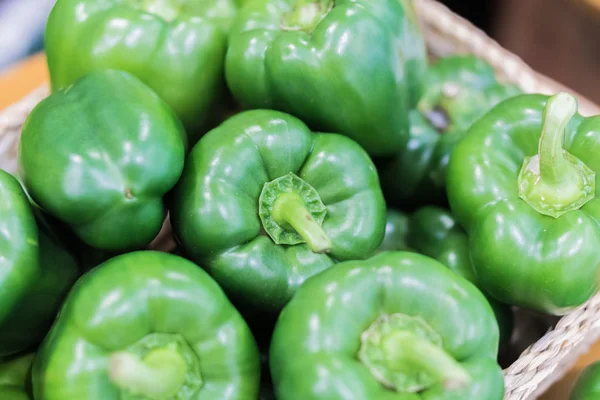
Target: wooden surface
20 79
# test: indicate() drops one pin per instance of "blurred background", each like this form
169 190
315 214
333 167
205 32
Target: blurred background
555 37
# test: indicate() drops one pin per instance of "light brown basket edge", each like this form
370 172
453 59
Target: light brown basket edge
548 359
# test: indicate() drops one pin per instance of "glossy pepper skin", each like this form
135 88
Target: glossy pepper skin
434 232
150 326
587 385
396 232
175 47
458 89
523 184
414 52
336 65
121 149
397 309
264 203
37 271
15 378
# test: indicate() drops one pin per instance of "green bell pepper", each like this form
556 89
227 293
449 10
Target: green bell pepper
396 232
434 232
397 326
15 378
458 90
264 203
587 385
414 52
175 47
100 155
523 184
147 326
337 65
37 271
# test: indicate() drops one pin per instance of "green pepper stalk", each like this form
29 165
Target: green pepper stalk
554 182
159 375
405 354
522 184
156 327
457 90
434 232
290 208
412 329
405 348
264 203
306 15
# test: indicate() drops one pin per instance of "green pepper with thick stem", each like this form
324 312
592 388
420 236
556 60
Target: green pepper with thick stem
15 378
524 185
177 47
100 155
37 271
458 90
397 326
434 232
147 326
587 385
264 203
337 65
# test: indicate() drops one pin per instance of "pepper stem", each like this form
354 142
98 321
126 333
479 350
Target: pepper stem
289 208
554 182
159 376
433 111
555 169
406 355
406 349
306 15
168 10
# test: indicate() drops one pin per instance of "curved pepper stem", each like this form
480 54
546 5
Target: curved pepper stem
404 349
292 212
554 167
159 376
554 182
406 355
165 9
289 208
306 15
431 107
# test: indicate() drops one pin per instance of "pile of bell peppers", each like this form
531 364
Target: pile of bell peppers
353 219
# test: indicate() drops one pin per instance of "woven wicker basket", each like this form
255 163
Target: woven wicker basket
550 357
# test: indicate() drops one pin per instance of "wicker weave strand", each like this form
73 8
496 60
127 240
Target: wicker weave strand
11 120
549 358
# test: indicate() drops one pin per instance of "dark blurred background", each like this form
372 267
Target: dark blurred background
556 37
